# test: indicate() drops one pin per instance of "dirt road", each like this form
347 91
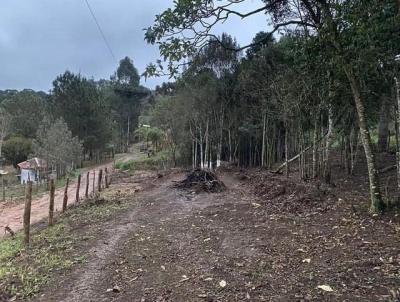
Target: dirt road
173 245
12 215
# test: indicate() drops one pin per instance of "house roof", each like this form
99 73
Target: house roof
33 163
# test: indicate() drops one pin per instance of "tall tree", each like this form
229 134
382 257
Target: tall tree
128 95
79 103
345 27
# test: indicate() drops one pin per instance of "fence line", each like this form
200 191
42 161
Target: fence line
28 198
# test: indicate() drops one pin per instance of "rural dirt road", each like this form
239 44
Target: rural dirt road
287 245
12 215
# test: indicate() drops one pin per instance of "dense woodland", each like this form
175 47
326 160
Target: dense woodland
322 78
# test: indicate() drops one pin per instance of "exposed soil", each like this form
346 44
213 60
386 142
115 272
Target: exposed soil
264 239
12 215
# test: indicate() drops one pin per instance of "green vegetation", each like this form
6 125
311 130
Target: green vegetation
330 76
158 161
23 271
80 120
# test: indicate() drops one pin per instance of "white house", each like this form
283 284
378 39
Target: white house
32 170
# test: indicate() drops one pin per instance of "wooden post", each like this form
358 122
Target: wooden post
94 181
77 188
51 204
87 185
4 188
27 213
99 180
65 200
106 177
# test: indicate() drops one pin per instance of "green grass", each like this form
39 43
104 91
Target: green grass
18 191
155 162
23 271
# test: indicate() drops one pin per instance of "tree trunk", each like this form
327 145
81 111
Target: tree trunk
127 135
287 150
398 131
230 145
206 151
201 151
315 149
263 141
383 127
327 164
377 204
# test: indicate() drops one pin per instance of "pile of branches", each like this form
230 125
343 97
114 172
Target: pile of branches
201 181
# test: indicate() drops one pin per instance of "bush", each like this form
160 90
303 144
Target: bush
17 149
158 161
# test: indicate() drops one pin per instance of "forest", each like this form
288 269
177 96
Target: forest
79 120
323 79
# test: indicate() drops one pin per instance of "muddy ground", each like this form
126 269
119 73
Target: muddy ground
264 239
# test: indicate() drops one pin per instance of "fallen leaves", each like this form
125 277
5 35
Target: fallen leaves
222 283
184 278
325 288
115 289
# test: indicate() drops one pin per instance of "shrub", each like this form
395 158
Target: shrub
16 149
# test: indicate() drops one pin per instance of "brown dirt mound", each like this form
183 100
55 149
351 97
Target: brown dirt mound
291 196
201 181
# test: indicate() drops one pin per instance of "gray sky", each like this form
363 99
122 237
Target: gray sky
40 39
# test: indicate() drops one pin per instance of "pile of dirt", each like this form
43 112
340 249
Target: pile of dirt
289 195
201 181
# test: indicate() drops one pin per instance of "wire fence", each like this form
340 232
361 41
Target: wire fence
88 185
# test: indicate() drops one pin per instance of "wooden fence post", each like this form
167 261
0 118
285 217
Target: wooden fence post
65 200
77 188
106 177
87 185
27 213
94 181
4 188
51 204
99 180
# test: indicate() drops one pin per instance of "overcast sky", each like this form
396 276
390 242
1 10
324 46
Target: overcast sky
41 39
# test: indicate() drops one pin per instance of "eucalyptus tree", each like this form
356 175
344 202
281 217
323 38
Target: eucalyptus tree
351 30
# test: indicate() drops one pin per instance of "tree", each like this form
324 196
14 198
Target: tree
5 120
127 99
26 108
79 103
126 73
347 29
168 115
17 149
56 144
